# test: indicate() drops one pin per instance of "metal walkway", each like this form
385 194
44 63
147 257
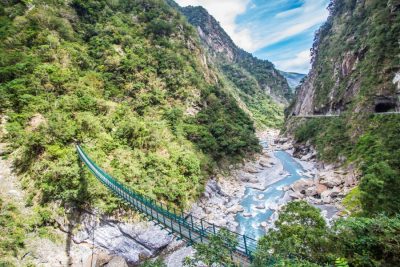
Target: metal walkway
184 225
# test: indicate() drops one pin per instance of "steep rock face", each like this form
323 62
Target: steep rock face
225 51
355 60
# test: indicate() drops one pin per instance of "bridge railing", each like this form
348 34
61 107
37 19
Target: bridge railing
164 215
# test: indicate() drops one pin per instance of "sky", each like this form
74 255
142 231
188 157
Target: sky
281 31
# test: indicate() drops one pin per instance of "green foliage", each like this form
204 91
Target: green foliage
250 79
341 262
352 201
378 152
12 230
215 133
329 135
369 33
117 77
217 252
301 233
369 241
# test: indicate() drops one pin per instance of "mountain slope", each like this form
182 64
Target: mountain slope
355 60
355 72
256 83
128 81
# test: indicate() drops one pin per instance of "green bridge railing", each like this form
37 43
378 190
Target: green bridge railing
183 224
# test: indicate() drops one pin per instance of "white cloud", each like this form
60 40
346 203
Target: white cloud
300 63
226 11
263 25
290 23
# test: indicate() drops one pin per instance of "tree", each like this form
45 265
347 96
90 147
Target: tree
217 252
368 241
301 233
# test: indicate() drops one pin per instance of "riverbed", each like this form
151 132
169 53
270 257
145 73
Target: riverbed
260 205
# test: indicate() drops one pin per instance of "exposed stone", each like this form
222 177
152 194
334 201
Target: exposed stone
251 169
311 191
321 188
301 185
330 179
260 206
234 209
264 163
295 195
36 121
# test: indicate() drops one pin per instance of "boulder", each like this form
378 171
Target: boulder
325 198
330 180
273 206
260 206
251 169
301 185
264 163
235 209
321 188
247 214
245 177
311 191
295 195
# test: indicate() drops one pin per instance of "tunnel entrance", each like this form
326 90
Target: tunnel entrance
384 105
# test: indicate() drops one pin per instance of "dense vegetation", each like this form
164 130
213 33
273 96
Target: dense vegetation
368 32
259 87
124 79
303 238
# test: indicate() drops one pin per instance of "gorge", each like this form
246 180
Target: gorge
163 100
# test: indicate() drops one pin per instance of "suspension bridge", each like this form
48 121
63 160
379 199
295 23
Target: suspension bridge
181 224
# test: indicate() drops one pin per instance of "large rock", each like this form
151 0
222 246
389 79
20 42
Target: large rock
251 169
234 209
153 238
326 199
311 191
264 163
295 195
133 242
330 179
330 194
321 188
301 185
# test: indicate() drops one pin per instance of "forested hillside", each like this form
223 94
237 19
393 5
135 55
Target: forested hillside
355 69
354 73
261 89
126 80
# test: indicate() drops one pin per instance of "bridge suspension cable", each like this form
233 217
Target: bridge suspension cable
186 226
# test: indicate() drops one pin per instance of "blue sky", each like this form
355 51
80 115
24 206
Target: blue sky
281 31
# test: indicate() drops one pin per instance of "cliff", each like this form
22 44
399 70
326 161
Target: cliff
256 84
355 64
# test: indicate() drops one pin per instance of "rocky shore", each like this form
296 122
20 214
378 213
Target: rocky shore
328 183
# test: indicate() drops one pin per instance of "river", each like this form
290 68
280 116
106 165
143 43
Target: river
257 203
